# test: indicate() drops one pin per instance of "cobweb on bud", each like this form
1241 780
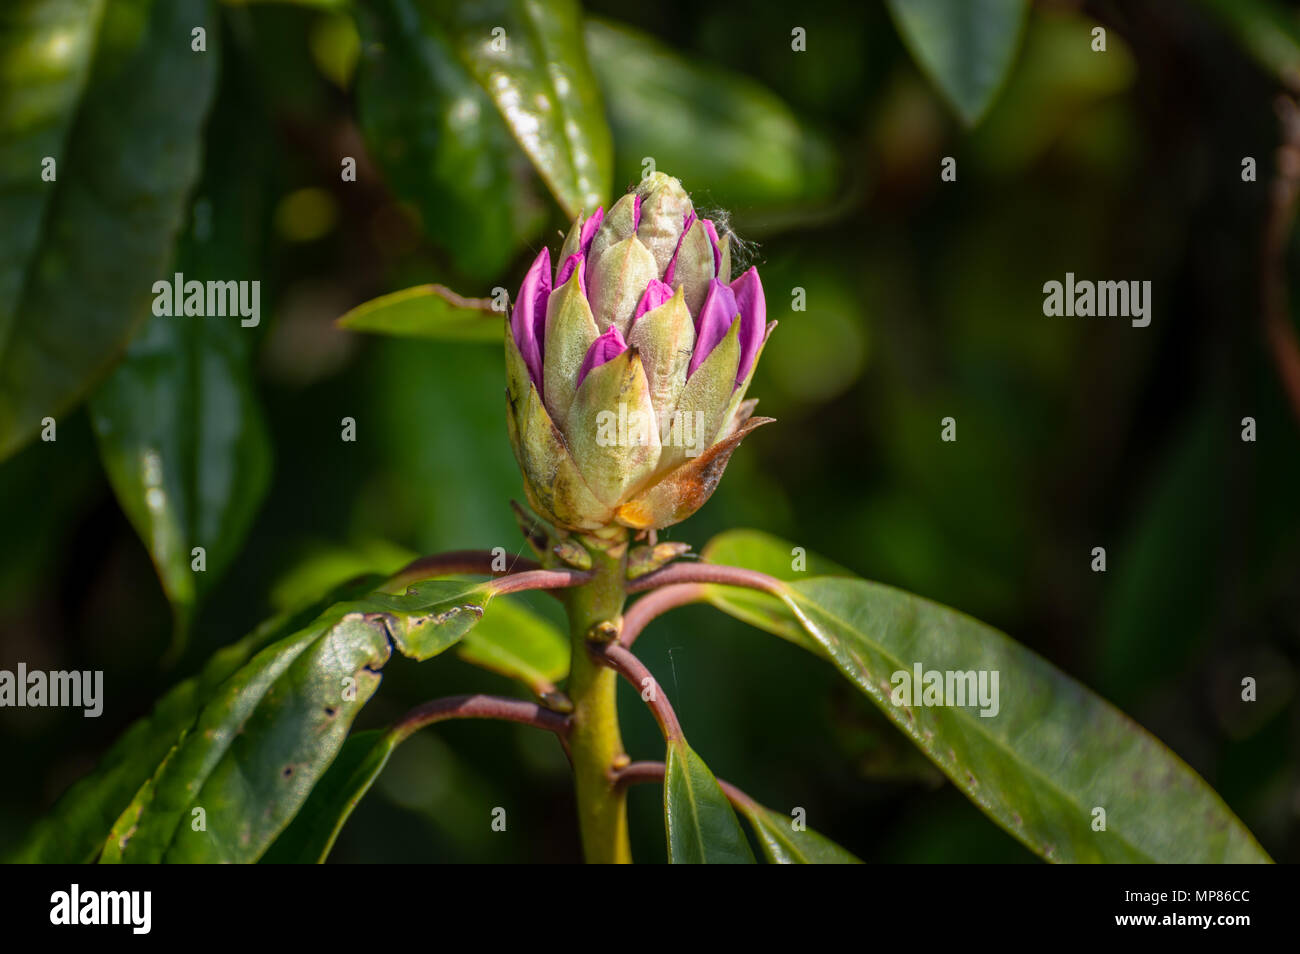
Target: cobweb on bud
744 253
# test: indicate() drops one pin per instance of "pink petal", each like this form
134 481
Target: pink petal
528 321
568 268
589 230
605 348
713 322
753 319
656 293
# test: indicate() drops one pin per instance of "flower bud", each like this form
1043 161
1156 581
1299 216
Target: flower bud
627 369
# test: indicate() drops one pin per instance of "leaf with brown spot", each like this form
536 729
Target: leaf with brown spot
266 735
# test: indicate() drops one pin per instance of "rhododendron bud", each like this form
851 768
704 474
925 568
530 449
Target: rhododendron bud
627 368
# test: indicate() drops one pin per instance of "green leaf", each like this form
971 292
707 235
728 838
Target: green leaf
531 59
429 618
702 828
783 844
440 141
75 829
427 311
515 642
182 439
509 640
114 94
235 779
1053 752
717 131
313 831
278 700
178 423
966 47
263 740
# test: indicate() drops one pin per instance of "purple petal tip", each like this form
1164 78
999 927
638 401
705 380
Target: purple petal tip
713 322
568 268
656 293
604 349
748 289
589 228
528 321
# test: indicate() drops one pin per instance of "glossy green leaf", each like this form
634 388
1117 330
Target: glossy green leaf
496 644
239 775
114 94
427 311
75 829
315 828
1051 755
429 618
516 642
783 844
719 132
442 145
702 827
510 640
966 47
185 447
179 424
531 59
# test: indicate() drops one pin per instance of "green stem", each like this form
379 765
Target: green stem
595 743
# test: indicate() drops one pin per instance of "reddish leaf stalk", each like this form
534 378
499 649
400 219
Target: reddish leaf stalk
707 573
653 605
476 562
479 706
634 671
539 580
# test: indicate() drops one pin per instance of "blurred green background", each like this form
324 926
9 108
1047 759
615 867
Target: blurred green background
923 301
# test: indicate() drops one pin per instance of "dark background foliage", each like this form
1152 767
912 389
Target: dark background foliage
924 301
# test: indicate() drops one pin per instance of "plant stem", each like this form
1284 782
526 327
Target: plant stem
595 743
